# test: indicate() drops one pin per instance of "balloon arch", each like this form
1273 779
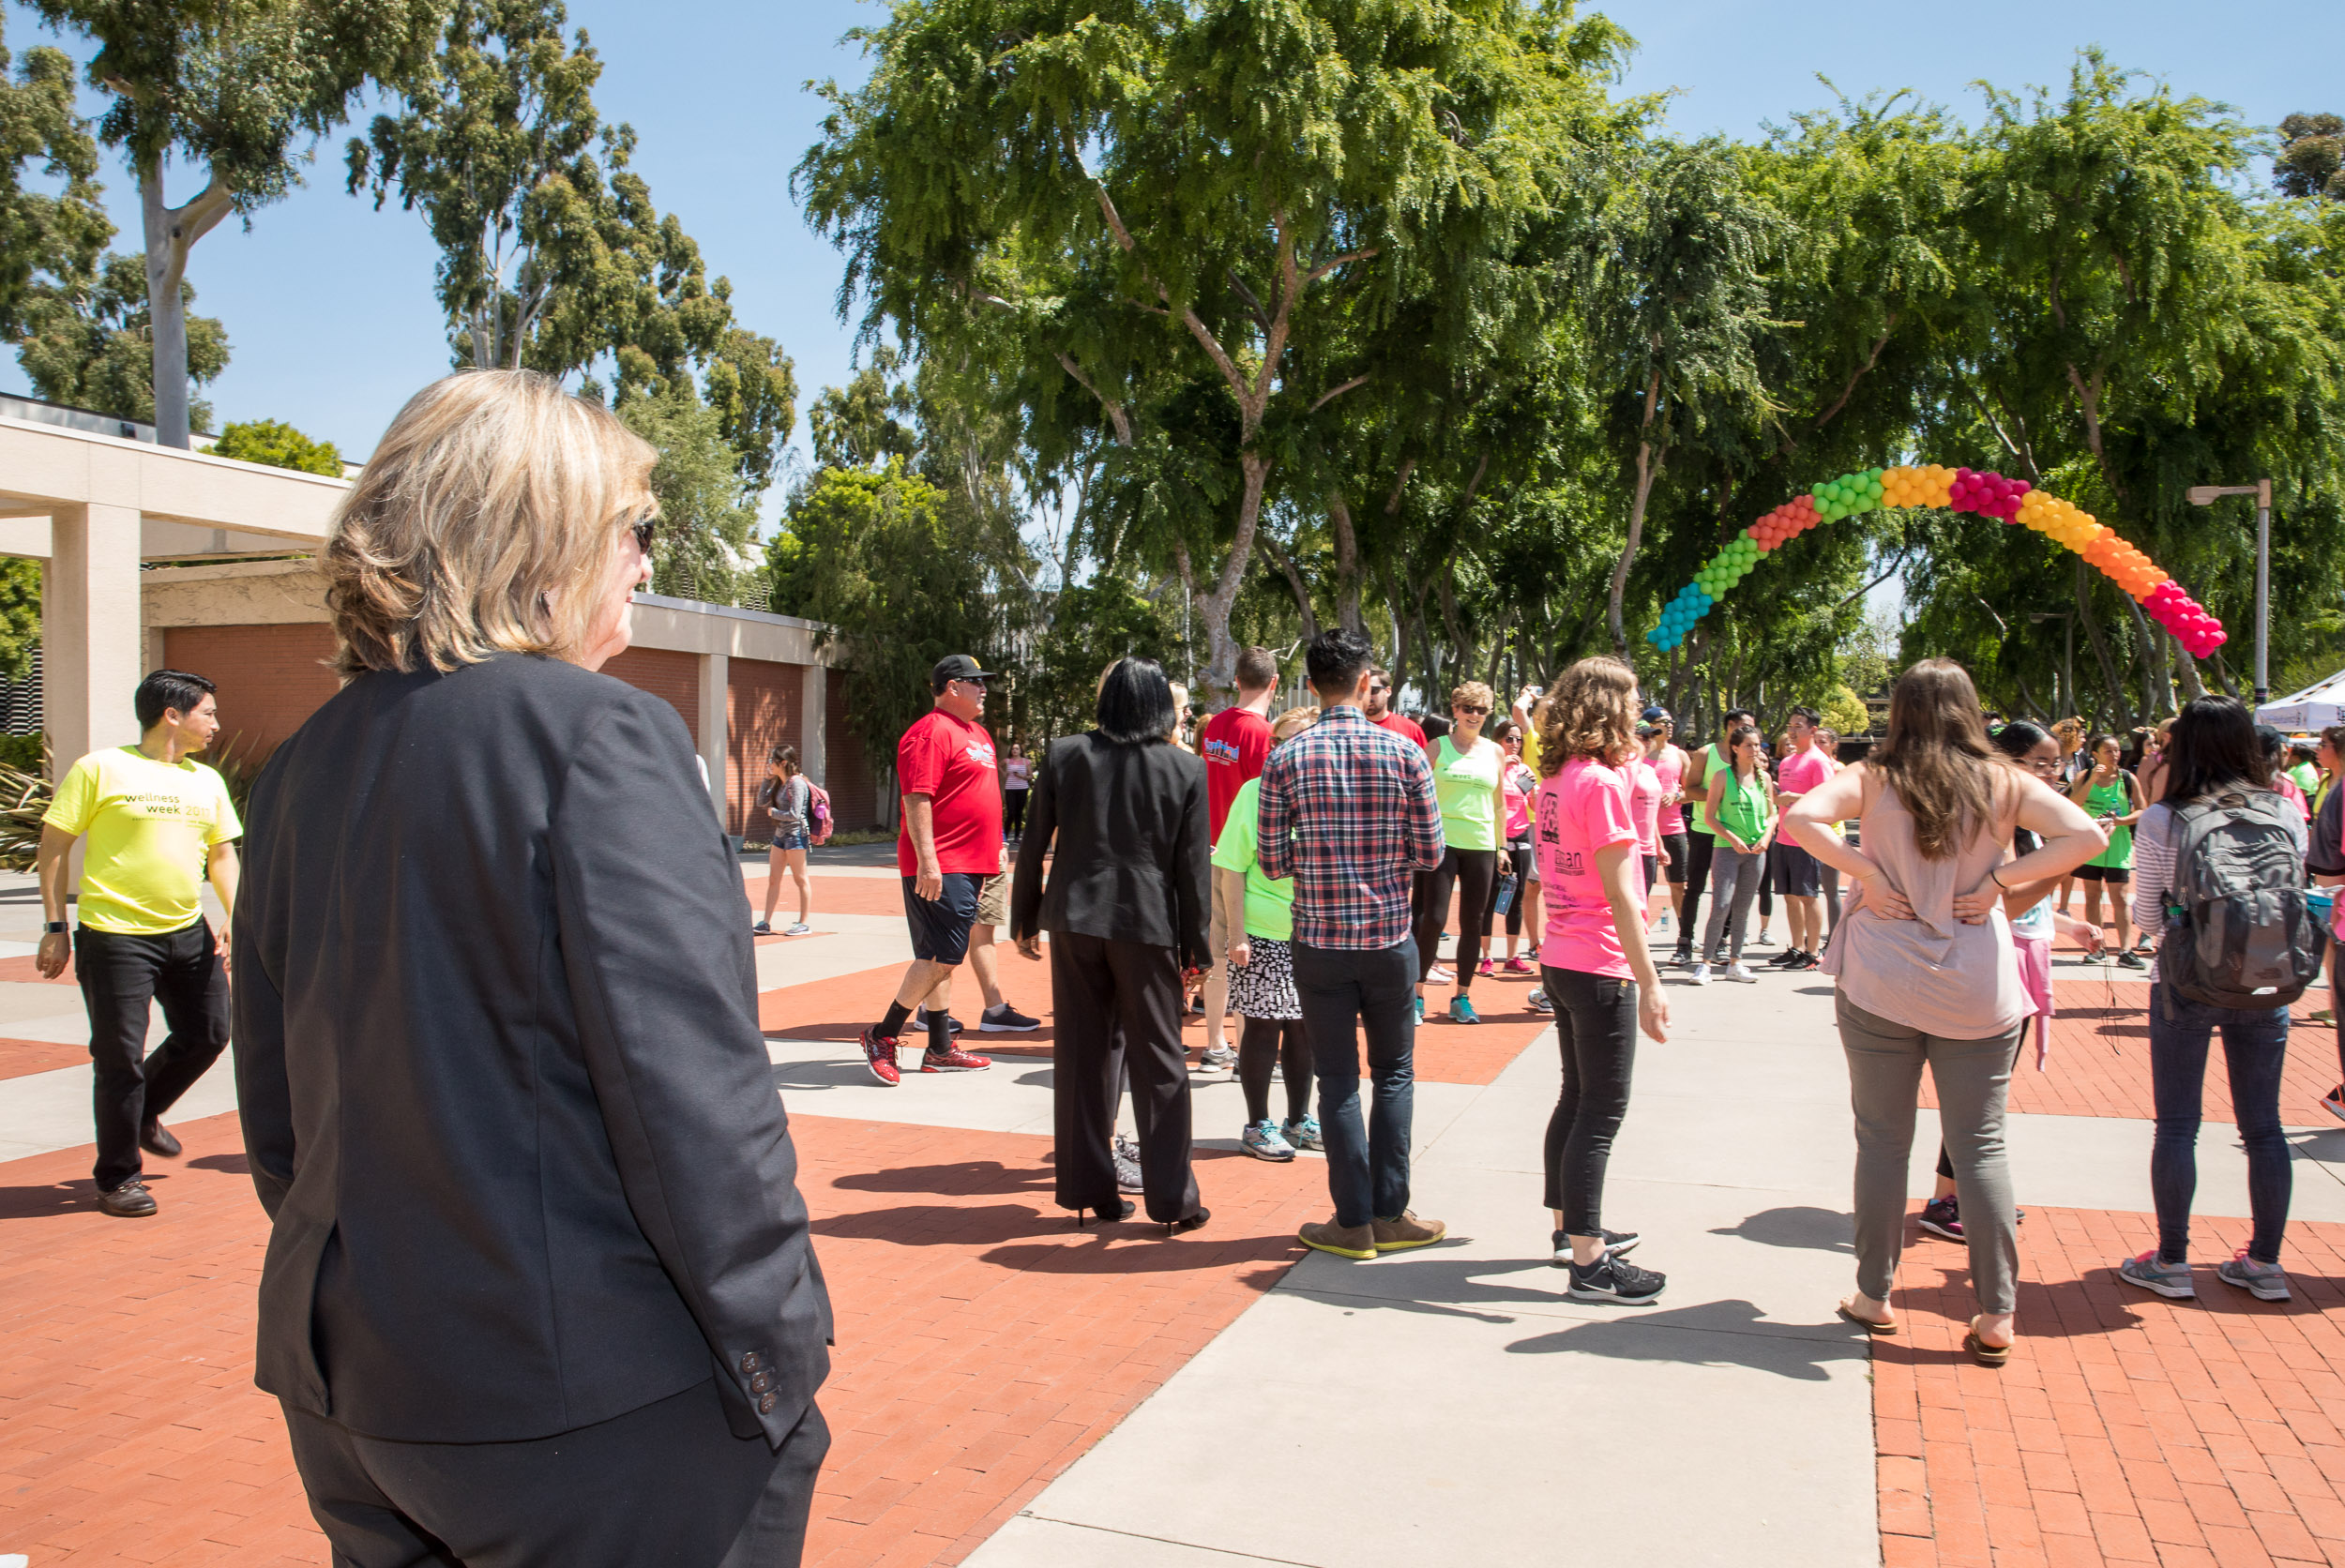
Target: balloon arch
1958 490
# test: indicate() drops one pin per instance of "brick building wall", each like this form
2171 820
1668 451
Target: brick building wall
663 673
763 704
270 678
854 789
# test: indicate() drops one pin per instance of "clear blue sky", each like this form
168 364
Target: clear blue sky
328 306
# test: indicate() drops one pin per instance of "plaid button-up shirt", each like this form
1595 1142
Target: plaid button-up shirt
1348 811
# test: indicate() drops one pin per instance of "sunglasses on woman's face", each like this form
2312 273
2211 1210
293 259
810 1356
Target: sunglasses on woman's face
642 528
1470 708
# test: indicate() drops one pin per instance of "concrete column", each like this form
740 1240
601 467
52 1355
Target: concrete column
813 723
714 672
92 651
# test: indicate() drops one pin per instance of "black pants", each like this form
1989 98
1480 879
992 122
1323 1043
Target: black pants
1596 1028
119 977
1268 1043
668 1484
1118 1011
1518 861
1471 873
1699 847
1014 810
1347 992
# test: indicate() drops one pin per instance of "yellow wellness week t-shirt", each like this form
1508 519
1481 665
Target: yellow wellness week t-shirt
151 827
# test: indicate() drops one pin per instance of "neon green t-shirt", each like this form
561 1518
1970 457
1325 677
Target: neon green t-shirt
1466 785
151 827
1269 901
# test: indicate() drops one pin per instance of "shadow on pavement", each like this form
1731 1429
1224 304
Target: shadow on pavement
1802 1226
1729 1333
967 1176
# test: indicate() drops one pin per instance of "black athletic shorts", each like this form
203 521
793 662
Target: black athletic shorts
940 931
1673 855
1651 870
2117 874
1797 873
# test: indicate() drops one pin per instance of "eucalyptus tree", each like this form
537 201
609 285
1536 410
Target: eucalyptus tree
238 89
60 230
1156 197
85 337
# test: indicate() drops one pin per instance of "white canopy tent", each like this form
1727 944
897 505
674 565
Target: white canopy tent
2316 708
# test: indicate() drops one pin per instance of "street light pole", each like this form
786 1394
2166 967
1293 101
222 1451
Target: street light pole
2206 495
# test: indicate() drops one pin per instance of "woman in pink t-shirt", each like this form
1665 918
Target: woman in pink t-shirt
1594 964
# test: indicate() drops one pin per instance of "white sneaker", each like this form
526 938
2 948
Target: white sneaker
1437 975
1701 974
1741 973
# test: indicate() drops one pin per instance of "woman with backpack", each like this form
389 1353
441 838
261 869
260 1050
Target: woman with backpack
2219 868
787 798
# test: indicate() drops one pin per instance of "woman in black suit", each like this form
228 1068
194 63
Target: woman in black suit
1125 909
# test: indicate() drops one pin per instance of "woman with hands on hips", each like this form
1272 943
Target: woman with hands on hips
1927 972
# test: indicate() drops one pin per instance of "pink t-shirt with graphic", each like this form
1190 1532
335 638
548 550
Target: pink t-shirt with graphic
1644 806
1669 768
1803 771
1583 808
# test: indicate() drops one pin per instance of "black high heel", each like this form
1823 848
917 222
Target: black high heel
1084 1216
1175 1227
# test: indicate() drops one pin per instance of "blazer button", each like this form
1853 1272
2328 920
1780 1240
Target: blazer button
760 1383
748 1363
765 1405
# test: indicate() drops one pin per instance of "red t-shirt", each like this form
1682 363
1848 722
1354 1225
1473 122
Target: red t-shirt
1402 725
951 761
1234 745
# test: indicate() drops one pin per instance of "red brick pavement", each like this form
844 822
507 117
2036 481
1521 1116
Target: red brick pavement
2126 1429
22 1058
984 1344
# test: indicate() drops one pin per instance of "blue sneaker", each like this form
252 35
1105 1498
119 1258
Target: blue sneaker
1263 1140
1420 1009
2171 1280
1304 1135
1461 1009
2263 1281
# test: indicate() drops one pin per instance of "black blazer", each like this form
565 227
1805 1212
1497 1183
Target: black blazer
1132 863
502 1086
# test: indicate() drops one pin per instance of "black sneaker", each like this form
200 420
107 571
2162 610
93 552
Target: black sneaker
1943 1217
1613 1278
1807 962
1788 959
1006 1019
2131 959
1619 1244
920 1020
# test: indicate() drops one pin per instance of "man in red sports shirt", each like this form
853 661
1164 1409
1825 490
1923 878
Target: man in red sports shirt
950 842
1381 712
1234 745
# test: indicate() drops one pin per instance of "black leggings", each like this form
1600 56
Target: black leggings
1014 810
1471 871
1596 1027
1266 1043
1700 849
1519 860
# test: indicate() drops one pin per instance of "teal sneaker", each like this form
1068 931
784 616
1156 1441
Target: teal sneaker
1262 1139
1461 1009
1420 1009
1304 1135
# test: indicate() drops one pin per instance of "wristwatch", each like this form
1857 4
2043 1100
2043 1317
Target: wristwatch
55 928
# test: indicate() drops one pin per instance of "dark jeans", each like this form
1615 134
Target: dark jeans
119 977
2254 1048
1470 873
1347 992
1699 847
667 1484
1595 1028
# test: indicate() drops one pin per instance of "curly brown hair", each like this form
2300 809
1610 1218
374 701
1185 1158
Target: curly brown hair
1590 712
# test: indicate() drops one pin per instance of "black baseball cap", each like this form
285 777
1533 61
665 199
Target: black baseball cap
1657 714
955 666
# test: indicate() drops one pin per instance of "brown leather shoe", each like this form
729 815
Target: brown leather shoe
130 1201
1344 1241
1400 1235
155 1139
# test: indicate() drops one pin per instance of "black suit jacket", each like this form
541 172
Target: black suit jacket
1131 862
502 1086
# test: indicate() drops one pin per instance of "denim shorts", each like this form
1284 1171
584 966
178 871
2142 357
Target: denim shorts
791 840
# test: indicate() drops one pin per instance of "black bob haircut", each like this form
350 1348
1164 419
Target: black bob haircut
1135 702
2215 748
166 689
1334 660
2017 738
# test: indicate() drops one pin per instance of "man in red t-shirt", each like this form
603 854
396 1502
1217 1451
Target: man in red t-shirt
1381 712
1234 745
949 844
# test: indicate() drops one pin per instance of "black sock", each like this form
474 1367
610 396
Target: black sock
940 1032
892 1026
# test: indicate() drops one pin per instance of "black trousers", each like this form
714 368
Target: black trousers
1596 1028
1699 847
1117 1006
120 975
1014 810
1268 1043
1470 873
668 1484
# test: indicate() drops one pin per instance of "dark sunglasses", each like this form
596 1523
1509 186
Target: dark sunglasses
1469 708
642 528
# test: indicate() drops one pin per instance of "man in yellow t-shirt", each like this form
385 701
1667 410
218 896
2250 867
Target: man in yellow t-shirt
158 822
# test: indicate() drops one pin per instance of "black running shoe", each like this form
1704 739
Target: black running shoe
1807 962
2131 959
1788 959
1613 1278
1618 1242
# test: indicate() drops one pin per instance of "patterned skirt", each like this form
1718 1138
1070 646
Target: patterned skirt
1265 988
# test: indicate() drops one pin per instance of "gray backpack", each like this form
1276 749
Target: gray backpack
2239 929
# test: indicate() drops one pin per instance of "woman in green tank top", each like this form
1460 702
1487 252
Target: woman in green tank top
2112 797
1468 774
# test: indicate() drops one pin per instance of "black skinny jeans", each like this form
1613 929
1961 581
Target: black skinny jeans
1471 872
1517 859
1595 1028
121 976
1014 810
1268 1043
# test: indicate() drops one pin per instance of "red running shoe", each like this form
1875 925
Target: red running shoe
879 1052
953 1061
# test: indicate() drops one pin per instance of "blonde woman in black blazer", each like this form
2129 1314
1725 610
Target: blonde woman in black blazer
1126 905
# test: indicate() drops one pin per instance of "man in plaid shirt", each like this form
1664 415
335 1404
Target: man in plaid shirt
1348 811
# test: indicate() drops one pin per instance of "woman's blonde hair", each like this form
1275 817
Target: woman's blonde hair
1291 723
1938 758
1475 693
483 524
1590 712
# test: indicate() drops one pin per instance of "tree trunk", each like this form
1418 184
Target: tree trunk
1346 562
1646 467
2192 687
2115 686
2157 695
170 234
1460 647
1215 608
1285 563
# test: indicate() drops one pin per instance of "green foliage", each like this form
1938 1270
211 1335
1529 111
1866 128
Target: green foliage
1844 712
20 616
280 446
1091 627
42 233
87 340
2312 157
706 513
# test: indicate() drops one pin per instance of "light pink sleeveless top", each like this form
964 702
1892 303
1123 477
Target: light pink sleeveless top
1931 972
